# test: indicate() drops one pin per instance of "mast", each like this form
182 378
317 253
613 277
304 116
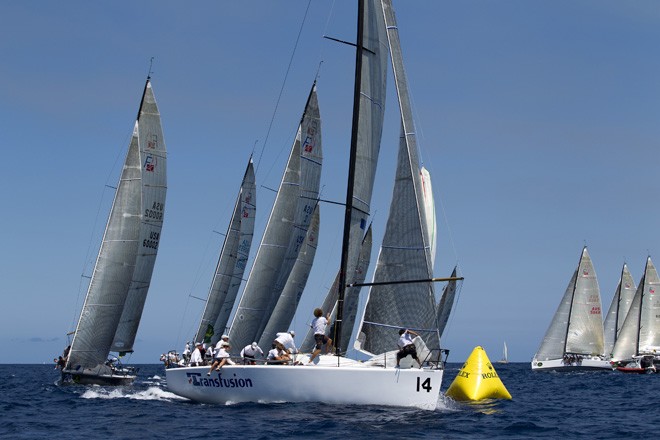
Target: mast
641 304
351 177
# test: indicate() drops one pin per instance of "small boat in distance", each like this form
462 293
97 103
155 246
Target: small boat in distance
505 355
122 274
574 340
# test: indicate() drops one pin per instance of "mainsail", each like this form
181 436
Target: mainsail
640 333
231 263
287 304
285 231
154 188
405 253
625 291
125 261
577 326
368 129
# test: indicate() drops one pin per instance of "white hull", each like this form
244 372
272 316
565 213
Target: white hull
561 365
354 383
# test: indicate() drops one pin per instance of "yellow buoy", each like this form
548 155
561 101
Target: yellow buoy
477 380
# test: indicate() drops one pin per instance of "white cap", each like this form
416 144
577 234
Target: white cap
224 337
292 333
254 345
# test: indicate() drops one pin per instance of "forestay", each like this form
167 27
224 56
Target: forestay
625 291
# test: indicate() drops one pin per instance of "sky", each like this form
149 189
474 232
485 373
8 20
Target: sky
538 121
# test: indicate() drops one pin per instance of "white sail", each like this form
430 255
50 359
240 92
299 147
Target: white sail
405 253
154 187
625 291
577 326
285 231
123 247
429 210
231 263
640 333
287 304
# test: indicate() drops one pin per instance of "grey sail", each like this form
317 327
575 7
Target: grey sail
117 259
231 262
288 301
154 187
330 302
285 231
369 131
446 303
640 333
616 315
577 324
405 253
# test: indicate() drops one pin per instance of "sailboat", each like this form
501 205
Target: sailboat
361 382
638 347
574 340
616 315
505 355
231 263
122 274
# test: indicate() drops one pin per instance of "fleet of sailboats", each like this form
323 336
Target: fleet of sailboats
375 381
120 281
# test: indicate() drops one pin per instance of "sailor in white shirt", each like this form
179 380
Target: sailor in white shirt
196 359
250 352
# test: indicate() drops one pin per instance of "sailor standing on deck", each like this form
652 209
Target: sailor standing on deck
250 352
406 346
319 323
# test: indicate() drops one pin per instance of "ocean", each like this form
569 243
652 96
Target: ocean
589 405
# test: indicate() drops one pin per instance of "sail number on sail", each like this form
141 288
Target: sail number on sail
156 211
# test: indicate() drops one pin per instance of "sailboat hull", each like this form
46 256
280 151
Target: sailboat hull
578 365
88 377
354 384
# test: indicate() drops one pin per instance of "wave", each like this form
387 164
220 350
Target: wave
151 393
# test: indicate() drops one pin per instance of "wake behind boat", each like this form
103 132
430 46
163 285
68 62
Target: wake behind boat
118 288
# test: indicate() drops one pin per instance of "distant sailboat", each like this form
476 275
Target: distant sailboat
118 288
638 345
616 315
505 355
574 339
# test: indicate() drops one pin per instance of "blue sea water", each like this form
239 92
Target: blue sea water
589 405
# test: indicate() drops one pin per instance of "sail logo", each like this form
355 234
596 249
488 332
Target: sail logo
585 273
594 311
152 142
196 380
150 163
308 145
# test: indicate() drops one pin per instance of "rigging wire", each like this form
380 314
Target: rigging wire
279 97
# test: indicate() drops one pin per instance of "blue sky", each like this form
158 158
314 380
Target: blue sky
537 119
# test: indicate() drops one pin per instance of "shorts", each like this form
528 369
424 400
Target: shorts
320 340
409 349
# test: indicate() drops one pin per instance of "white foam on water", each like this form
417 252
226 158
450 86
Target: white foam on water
151 393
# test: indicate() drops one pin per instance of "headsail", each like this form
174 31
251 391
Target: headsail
231 263
446 303
406 251
640 333
625 291
369 97
285 231
285 309
154 187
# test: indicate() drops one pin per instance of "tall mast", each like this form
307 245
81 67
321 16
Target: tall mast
351 178
570 309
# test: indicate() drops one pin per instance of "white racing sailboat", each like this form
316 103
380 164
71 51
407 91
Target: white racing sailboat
122 274
637 349
574 340
505 355
361 382
616 315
